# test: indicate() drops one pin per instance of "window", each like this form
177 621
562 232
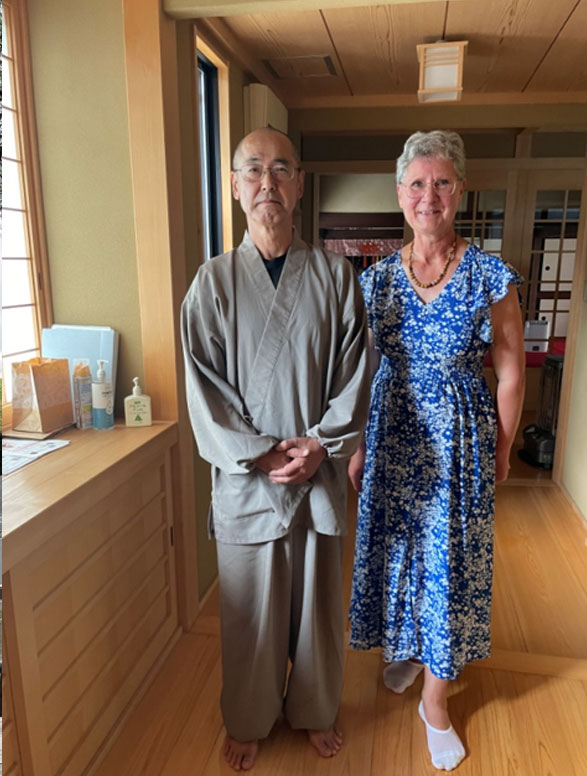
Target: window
210 156
215 146
25 287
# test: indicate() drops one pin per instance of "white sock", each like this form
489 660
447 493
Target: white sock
401 674
446 748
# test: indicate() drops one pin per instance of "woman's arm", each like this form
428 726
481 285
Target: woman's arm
509 365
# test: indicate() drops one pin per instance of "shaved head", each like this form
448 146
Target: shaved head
258 133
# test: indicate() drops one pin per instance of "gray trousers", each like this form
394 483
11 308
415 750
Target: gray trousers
281 600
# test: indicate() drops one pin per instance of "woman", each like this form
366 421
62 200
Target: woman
435 442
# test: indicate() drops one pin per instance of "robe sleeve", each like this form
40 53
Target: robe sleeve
341 426
224 434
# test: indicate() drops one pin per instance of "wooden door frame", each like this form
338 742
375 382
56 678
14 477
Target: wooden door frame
151 56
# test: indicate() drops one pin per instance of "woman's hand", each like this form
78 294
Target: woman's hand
356 467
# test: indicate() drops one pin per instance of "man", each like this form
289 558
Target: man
274 337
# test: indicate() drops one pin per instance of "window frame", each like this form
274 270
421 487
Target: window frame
203 46
16 26
209 125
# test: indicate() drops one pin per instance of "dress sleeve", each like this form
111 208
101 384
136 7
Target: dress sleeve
498 275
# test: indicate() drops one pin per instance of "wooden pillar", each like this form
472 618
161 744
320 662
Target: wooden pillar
155 150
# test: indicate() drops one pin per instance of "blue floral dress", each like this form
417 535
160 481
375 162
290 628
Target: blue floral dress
424 547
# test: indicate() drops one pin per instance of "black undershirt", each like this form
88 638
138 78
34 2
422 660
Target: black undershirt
274 268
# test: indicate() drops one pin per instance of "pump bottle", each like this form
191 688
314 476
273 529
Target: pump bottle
102 399
137 407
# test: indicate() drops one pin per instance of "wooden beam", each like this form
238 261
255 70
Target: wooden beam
194 9
422 117
156 163
468 99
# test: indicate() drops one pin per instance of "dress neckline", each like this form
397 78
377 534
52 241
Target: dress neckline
442 290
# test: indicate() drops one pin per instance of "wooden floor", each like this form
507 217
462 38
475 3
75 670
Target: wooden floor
523 711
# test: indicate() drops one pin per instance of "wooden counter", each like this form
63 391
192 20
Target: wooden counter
89 593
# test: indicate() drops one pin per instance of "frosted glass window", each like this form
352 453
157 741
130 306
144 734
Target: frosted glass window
549 266
11 192
13 234
5 41
18 329
16 282
8 135
7 99
567 266
23 299
561 325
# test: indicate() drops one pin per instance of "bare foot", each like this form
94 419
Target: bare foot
326 742
240 755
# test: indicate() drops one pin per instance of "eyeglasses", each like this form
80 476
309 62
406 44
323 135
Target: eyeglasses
443 187
253 173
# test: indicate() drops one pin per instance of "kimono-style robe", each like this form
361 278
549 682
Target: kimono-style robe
266 364
263 365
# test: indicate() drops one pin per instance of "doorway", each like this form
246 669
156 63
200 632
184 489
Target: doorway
529 217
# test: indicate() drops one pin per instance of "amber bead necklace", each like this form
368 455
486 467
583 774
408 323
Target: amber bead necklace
436 281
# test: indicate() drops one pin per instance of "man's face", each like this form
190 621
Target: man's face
267 202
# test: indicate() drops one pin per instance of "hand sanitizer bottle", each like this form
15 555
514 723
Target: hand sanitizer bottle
102 399
137 408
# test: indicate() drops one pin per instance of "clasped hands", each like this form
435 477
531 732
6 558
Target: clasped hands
292 461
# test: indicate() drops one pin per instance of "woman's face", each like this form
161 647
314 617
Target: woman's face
427 196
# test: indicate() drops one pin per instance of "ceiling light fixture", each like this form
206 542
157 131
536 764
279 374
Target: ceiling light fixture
441 70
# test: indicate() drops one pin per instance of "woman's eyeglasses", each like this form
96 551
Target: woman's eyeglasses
443 187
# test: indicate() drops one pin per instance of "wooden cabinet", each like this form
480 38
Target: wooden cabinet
90 604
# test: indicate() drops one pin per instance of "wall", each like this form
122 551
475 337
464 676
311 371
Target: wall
575 465
80 99
366 193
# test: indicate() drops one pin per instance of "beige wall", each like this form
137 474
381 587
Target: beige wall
80 99
364 193
575 466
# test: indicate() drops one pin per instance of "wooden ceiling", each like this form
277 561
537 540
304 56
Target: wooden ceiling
519 51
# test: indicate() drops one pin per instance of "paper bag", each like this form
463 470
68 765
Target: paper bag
41 391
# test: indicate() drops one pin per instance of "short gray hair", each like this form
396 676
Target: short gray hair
438 144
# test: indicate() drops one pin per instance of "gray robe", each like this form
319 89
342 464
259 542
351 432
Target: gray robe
265 364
